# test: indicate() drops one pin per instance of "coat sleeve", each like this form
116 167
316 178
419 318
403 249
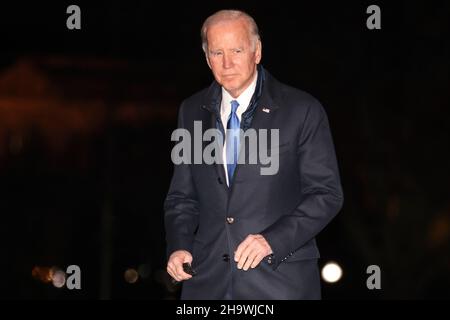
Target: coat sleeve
321 192
181 205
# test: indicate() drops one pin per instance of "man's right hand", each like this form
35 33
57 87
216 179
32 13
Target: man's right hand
175 265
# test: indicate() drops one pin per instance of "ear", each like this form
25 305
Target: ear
258 52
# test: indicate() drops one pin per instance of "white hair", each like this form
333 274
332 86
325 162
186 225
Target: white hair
230 15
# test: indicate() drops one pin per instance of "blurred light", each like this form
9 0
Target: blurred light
144 271
439 230
43 274
59 278
131 275
331 272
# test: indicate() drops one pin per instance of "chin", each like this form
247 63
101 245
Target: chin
230 85
230 89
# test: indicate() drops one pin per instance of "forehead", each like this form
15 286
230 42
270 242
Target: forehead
234 32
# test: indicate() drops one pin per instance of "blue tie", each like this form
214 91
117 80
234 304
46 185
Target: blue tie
232 138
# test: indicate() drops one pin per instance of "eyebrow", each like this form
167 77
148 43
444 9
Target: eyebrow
231 49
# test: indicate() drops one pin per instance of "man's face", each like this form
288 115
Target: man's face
231 55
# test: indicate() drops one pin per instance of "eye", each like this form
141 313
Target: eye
216 53
237 50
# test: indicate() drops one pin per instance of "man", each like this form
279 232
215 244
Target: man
248 235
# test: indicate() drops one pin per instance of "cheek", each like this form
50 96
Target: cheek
215 67
216 63
247 63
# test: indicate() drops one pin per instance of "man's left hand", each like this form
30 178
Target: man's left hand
251 251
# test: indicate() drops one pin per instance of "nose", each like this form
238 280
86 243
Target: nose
227 61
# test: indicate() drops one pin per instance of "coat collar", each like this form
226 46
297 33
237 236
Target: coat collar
264 95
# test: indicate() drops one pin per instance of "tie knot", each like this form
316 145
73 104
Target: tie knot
234 106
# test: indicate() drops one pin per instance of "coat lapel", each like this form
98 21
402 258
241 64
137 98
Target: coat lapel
262 118
211 103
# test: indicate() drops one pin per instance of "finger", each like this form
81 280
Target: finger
172 273
244 244
257 260
188 259
181 274
180 278
170 269
250 260
242 247
184 277
176 266
244 256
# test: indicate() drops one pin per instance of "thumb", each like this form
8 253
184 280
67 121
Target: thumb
188 258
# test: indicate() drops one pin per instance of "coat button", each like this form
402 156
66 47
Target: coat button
226 257
230 220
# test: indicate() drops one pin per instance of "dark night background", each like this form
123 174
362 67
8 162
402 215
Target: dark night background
86 117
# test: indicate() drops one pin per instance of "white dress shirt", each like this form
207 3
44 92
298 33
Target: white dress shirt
225 111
